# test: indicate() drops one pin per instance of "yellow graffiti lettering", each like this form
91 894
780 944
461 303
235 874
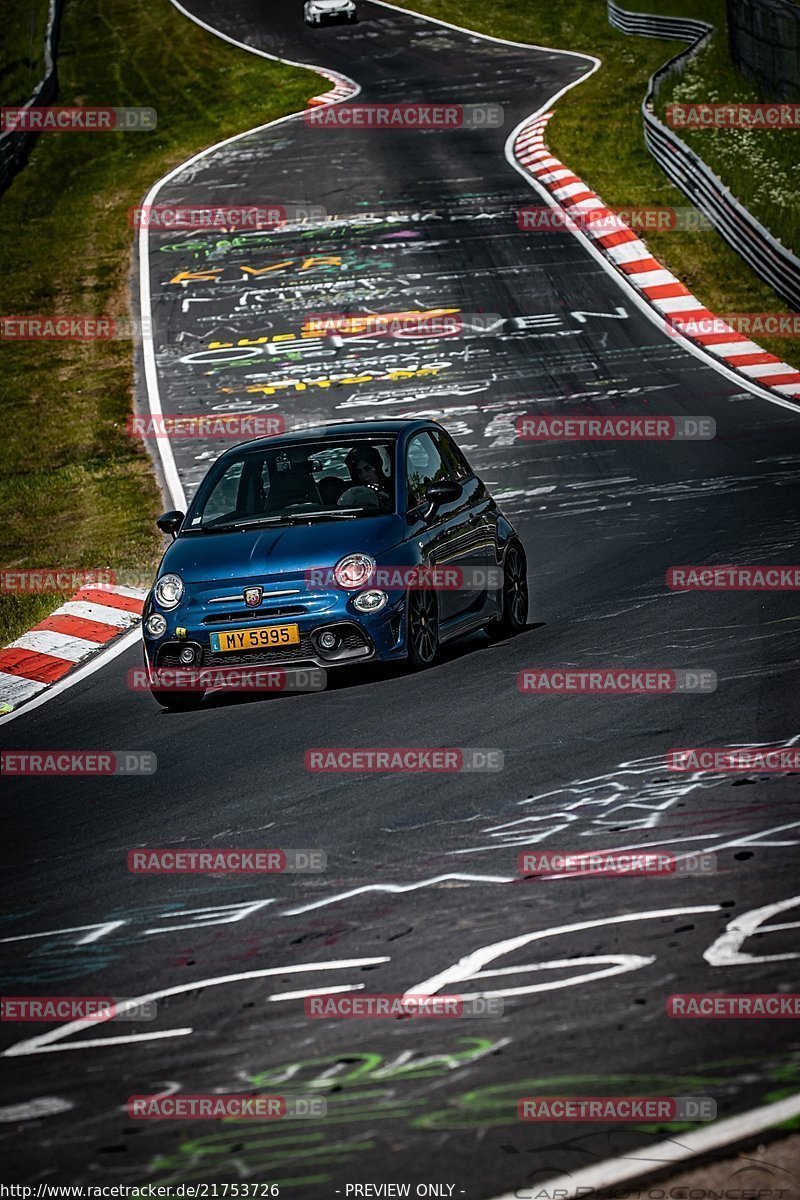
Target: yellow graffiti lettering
269 389
191 276
287 262
322 260
241 342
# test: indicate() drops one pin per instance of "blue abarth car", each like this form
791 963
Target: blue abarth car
333 546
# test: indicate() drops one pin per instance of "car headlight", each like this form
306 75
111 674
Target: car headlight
168 591
156 625
371 601
354 571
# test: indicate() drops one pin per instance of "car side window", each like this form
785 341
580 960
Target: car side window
224 500
424 465
457 465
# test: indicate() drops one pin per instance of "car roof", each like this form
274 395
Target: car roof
387 428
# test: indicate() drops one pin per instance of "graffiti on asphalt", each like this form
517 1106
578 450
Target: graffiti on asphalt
362 1088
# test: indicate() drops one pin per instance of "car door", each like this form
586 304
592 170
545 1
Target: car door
477 542
446 539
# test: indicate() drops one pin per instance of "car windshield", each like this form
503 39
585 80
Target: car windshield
321 480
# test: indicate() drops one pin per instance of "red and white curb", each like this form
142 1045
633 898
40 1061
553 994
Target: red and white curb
631 257
344 88
86 624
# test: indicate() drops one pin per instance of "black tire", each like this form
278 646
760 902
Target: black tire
176 701
514 614
422 628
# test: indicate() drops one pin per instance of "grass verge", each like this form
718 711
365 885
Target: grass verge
75 490
597 132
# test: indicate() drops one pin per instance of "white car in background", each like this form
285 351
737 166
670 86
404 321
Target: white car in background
328 12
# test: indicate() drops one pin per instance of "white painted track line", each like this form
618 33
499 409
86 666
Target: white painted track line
615 1171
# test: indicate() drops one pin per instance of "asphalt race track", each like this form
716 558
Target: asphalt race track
422 870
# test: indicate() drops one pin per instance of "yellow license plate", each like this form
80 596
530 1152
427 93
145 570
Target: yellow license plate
267 637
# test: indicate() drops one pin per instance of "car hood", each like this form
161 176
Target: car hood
269 554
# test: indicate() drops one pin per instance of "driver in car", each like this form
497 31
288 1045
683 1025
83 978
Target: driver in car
367 472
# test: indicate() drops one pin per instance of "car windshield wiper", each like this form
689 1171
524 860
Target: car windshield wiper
285 519
244 524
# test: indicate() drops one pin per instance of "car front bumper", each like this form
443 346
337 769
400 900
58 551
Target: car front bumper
331 18
361 637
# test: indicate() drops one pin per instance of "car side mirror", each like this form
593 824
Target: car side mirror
442 491
170 522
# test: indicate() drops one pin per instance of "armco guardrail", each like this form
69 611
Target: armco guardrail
15 146
779 267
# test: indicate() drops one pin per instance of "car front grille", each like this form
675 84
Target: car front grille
294 610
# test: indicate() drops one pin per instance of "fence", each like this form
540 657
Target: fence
777 265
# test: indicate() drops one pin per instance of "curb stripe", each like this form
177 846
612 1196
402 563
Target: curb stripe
16 690
44 668
618 238
93 631
113 599
97 612
638 265
55 645
664 289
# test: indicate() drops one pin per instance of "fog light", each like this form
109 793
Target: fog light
371 601
187 655
328 640
156 625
